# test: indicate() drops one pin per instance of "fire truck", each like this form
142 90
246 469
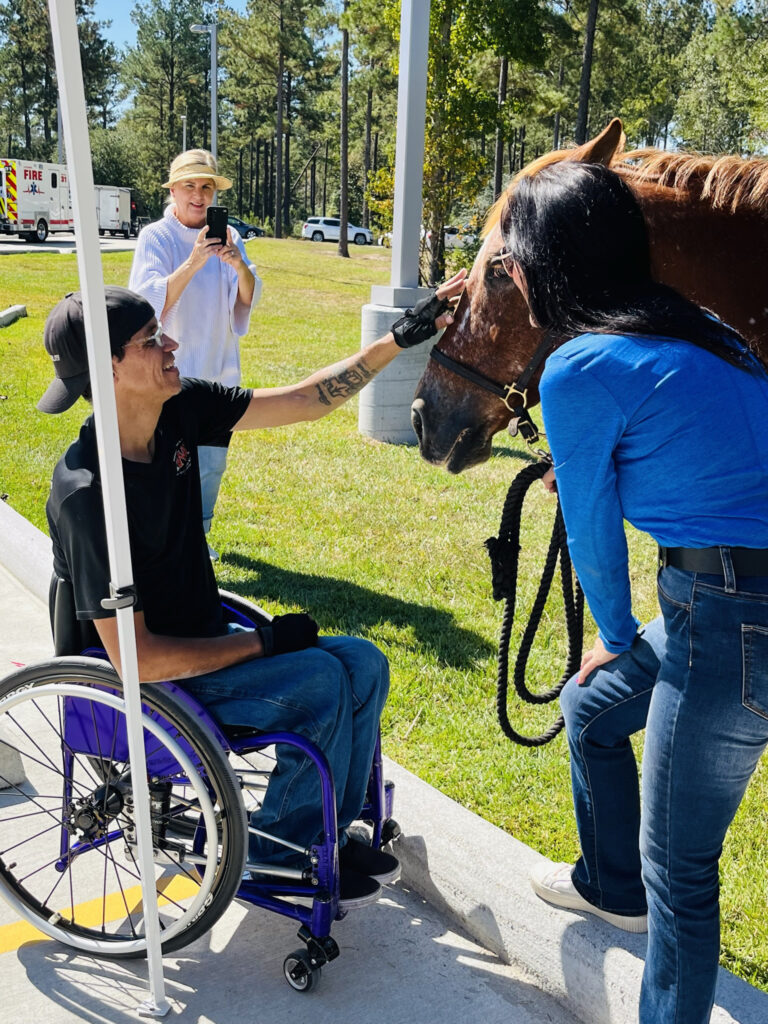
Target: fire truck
34 199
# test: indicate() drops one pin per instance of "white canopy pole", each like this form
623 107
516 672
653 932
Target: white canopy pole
72 99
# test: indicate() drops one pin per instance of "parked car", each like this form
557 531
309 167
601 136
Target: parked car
454 238
327 229
245 230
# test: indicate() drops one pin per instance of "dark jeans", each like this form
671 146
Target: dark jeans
332 694
697 679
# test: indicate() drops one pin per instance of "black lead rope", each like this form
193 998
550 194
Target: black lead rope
504 552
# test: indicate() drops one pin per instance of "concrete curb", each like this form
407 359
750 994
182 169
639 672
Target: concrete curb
11 315
476 875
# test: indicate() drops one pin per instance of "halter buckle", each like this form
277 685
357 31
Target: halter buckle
511 390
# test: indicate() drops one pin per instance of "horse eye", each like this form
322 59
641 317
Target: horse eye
497 271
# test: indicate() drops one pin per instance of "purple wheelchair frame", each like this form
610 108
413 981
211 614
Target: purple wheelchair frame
84 726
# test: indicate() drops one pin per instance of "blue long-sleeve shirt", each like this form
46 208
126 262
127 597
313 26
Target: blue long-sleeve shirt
663 434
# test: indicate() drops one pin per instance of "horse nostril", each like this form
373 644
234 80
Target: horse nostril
416 422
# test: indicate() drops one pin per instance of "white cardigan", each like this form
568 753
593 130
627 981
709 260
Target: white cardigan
208 320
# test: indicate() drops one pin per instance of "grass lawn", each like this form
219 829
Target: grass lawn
372 541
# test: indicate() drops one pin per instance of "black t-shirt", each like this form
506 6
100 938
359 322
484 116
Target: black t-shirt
176 586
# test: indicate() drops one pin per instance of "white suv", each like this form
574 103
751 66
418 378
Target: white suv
326 229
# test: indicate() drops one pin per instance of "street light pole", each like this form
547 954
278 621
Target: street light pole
211 28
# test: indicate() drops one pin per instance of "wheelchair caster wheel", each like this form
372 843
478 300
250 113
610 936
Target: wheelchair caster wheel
299 971
390 831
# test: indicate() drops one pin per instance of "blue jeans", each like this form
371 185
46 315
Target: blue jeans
212 461
698 681
332 694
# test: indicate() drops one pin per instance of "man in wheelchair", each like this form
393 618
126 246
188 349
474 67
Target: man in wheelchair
278 676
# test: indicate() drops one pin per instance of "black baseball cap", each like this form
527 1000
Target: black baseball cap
127 313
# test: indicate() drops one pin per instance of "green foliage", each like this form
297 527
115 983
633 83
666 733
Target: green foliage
28 76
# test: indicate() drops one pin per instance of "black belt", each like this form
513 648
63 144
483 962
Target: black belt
746 561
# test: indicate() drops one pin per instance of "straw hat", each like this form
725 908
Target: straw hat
196 163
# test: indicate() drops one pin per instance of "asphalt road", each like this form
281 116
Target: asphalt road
63 242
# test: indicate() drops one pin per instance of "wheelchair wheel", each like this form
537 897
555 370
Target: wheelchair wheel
299 971
67 834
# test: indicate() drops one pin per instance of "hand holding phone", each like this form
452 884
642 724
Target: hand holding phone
217 218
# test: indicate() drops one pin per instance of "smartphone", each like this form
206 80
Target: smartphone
217 218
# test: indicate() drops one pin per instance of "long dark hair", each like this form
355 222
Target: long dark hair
578 234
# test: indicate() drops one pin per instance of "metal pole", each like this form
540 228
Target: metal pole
183 133
214 88
72 95
211 28
59 132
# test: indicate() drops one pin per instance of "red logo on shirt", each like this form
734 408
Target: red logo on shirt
182 458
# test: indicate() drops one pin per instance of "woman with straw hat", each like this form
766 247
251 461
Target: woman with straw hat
202 290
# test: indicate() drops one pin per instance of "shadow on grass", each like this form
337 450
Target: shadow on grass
341 605
513 453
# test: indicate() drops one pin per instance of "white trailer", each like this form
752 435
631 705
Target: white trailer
34 199
113 210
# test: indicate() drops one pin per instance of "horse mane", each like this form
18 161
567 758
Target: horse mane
726 182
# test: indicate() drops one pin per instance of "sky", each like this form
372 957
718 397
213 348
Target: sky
122 31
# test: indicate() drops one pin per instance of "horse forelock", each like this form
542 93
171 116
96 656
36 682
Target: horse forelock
493 217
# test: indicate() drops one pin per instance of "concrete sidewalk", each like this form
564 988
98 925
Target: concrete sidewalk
461 938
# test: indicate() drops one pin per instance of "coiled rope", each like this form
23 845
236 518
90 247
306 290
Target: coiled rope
504 552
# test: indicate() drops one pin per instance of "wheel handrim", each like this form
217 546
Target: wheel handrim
49 895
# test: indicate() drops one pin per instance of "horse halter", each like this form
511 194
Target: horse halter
515 395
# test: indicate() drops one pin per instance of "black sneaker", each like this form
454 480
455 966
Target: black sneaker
356 890
357 856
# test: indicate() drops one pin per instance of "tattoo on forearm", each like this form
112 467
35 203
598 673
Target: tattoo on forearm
345 380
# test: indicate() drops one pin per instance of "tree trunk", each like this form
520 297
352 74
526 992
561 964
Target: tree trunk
343 249
269 151
287 174
313 184
375 152
255 202
205 119
250 178
240 183
367 156
498 161
522 146
586 74
556 135
278 207
325 177
25 105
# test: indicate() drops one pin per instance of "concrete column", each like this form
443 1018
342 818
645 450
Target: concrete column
385 404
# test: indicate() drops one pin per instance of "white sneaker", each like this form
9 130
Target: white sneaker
213 554
552 882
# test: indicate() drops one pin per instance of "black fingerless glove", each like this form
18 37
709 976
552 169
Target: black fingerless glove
287 633
418 324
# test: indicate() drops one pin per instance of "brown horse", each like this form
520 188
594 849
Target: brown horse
708 225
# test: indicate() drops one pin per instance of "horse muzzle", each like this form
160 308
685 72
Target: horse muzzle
446 442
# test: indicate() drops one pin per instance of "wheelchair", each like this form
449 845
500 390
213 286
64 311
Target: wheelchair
68 846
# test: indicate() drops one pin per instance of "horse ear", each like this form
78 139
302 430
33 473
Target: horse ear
603 148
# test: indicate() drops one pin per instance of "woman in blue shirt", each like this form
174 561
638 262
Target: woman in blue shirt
657 413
